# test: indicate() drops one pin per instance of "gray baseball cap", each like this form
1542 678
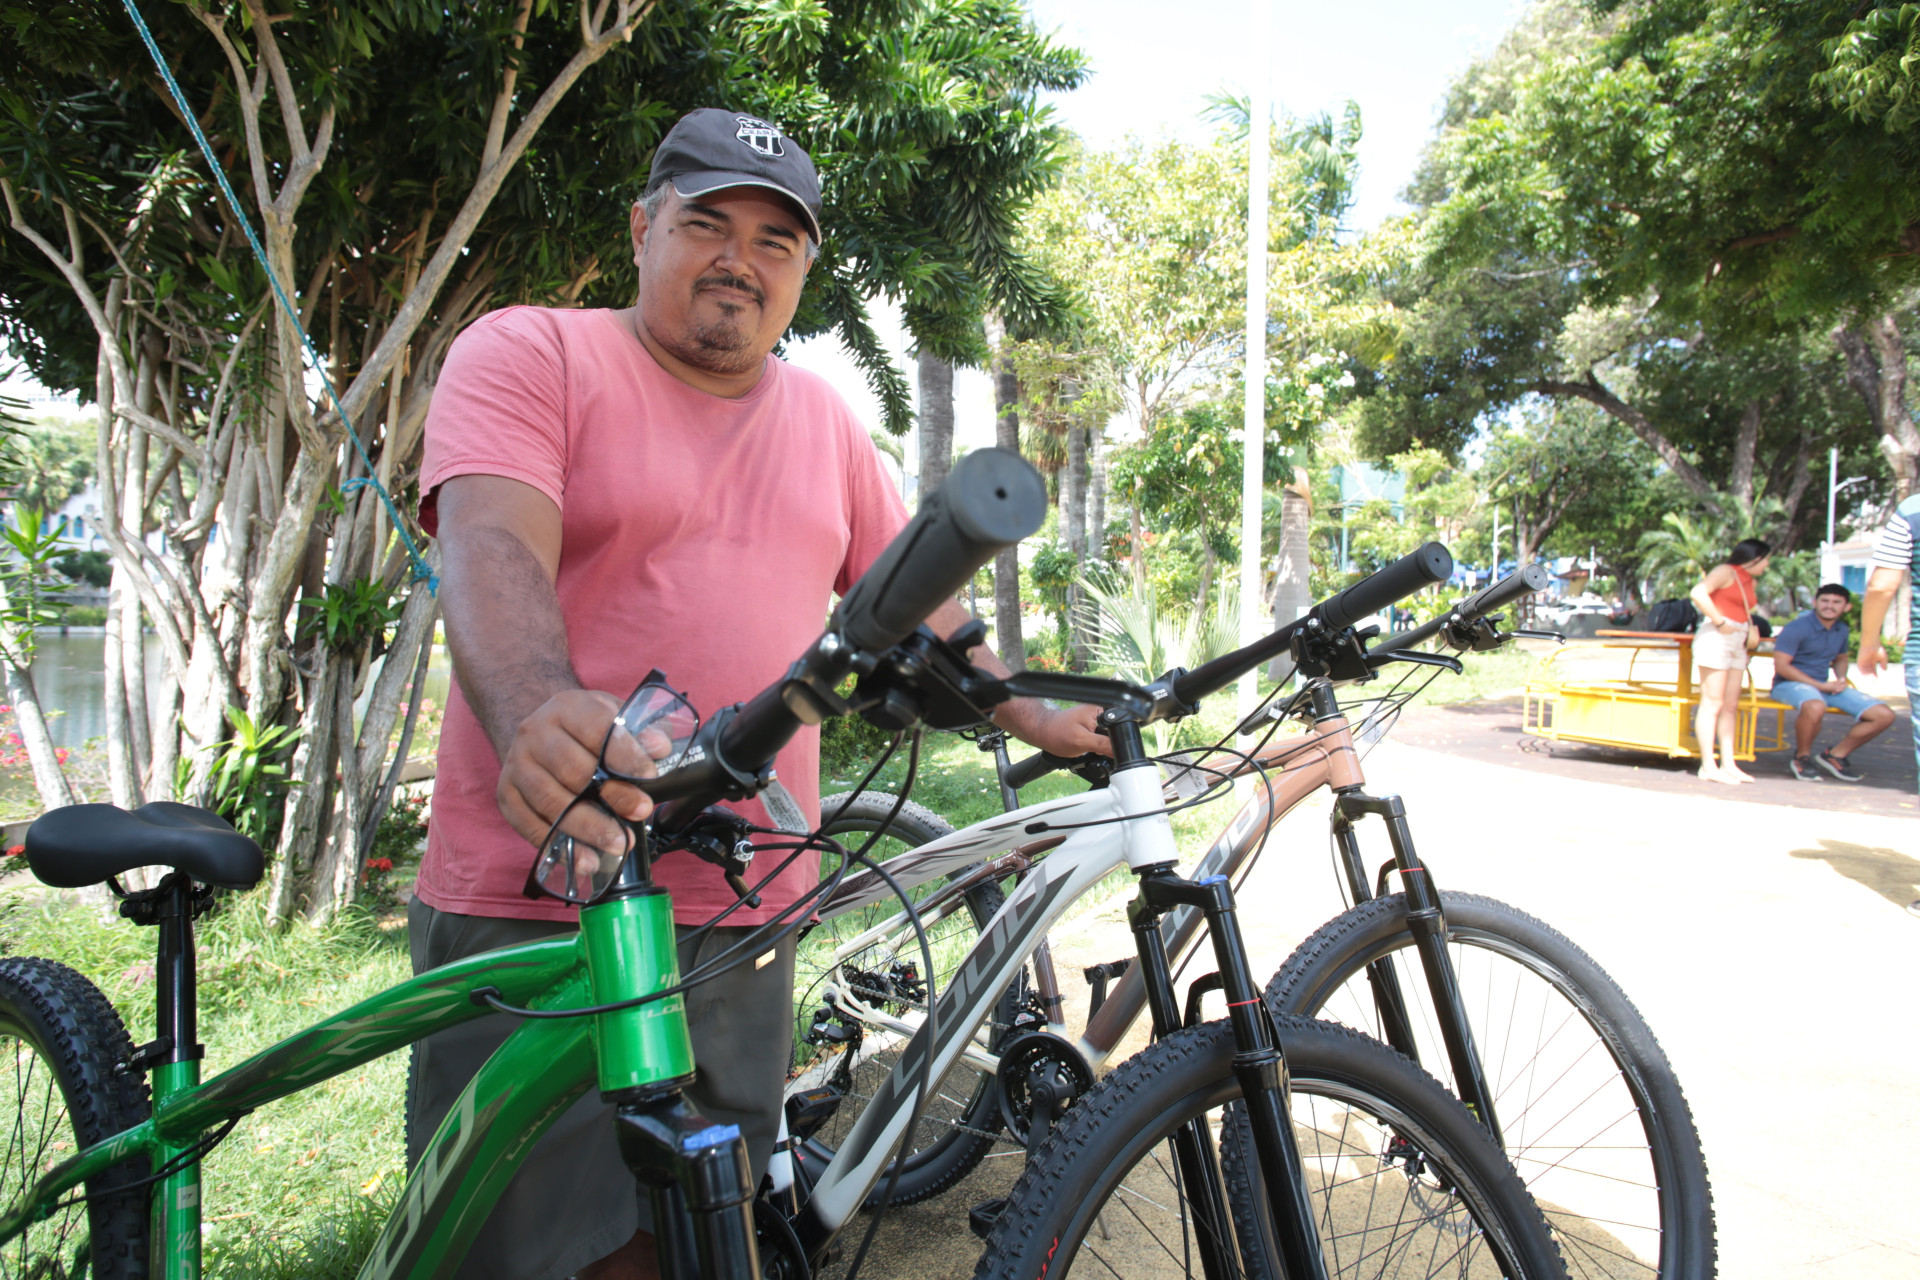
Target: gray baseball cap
711 149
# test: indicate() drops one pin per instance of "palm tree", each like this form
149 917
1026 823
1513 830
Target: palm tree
1138 639
1680 553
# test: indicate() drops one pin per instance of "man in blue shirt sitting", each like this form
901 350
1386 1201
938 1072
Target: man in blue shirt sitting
1810 673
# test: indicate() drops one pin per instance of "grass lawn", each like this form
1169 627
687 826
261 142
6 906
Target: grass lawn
300 1188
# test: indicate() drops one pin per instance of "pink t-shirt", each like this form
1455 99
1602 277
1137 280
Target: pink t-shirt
700 535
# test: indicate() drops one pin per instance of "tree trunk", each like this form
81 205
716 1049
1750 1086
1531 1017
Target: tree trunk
1097 506
1877 371
1139 547
1745 445
1292 592
122 780
311 803
337 873
1073 492
936 422
1594 392
48 778
1006 566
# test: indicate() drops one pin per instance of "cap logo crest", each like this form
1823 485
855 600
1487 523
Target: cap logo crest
761 136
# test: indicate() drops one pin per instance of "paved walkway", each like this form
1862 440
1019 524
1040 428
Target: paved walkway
1767 944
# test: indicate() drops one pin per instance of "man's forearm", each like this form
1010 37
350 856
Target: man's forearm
505 633
1873 612
1789 671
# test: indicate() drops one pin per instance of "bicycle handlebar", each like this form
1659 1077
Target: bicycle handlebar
990 501
1420 568
1514 586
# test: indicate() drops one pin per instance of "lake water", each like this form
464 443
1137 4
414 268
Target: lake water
67 672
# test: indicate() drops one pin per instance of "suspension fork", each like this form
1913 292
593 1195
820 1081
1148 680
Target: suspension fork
1257 1064
1429 929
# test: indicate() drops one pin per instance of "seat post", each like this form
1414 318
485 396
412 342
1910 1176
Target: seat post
176 1066
176 1012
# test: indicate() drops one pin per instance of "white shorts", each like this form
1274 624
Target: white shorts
1714 651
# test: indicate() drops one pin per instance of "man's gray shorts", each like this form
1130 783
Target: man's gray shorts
574 1200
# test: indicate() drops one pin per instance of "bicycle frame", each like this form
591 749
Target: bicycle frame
639 1055
1295 769
1094 845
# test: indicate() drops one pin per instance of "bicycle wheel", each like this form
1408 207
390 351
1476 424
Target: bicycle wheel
1591 1112
849 1055
1402 1180
61 1040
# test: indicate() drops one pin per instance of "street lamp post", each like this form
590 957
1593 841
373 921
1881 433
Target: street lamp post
1252 487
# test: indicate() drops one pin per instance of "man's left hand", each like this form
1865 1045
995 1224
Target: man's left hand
1067 731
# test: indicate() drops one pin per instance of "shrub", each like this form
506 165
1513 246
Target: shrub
95 568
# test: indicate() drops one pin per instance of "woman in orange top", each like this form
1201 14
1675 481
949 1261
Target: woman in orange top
1725 598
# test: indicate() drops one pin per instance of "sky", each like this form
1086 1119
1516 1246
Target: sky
1154 64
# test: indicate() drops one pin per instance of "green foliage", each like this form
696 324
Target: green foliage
1138 636
95 568
81 615
27 554
1872 67
54 460
848 744
1188 471
346 615
1053 569
396 847
924 119
249 781
1704 151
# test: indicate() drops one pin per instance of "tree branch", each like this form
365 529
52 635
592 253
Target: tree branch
503 104
1594 392
485 187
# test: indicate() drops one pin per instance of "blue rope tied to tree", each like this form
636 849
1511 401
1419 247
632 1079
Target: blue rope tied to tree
421 569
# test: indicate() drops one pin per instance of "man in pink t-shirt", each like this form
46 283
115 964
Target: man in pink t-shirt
615 491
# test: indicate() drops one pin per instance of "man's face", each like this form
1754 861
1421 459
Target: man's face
1829 607
720 275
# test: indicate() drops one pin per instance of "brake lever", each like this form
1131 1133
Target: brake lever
1420 658
719 836
1112 694
1529 633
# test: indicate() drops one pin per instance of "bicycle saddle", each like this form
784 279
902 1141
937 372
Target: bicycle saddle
83 844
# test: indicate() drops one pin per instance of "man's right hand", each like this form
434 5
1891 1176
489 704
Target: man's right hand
552 759
1872 656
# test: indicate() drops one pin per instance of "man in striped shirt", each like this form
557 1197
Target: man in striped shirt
1896 560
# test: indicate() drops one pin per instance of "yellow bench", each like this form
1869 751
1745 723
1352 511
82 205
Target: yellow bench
1577 693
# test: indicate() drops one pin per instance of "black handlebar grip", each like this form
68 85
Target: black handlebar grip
991 500
1034 767
1514 586
1419 568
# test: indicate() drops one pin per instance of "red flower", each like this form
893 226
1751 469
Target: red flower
16 850
379 864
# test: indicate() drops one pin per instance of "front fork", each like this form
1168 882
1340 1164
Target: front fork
1429 928
1257 1064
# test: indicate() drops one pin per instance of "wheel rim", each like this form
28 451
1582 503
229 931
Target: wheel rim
40 1135
1576 1119
962 1110
1382 1204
